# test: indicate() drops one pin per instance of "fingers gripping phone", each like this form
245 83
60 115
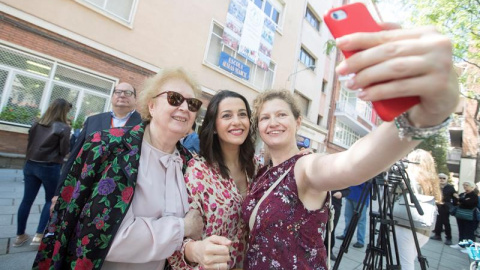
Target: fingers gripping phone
354 18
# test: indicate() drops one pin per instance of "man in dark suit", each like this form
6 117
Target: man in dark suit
123 114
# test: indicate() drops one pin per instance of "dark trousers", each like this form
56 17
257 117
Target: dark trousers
336 217
35 175
443 220
466 229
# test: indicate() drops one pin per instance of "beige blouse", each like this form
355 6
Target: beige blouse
153 227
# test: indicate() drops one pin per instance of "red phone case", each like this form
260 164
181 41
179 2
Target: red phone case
359 20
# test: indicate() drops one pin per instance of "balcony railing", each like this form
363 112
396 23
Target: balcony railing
365 112
347 109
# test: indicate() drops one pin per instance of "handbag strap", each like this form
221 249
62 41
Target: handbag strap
253 216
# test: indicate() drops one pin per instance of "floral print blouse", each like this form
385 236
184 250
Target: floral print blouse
219 201
285 234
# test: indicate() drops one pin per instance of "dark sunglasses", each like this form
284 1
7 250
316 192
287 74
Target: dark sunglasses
176 99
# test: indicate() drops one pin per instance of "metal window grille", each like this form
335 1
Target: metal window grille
28 84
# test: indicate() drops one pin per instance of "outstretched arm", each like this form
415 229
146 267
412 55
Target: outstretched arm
390 64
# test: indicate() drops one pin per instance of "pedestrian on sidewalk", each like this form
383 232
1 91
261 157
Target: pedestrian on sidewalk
467 200
443 217
423 180
48 144
351 203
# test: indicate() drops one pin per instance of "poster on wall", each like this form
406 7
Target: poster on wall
252 32
235 18
249 32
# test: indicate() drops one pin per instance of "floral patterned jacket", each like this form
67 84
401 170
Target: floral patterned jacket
94 199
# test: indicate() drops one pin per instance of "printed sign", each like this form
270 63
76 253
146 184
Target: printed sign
234 66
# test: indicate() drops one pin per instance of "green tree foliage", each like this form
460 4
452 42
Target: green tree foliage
459 19
438 147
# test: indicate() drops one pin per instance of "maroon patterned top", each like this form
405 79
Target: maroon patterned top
285 235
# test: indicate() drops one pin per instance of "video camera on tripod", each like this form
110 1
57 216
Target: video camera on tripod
382 249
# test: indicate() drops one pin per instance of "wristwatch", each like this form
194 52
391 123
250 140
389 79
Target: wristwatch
406 130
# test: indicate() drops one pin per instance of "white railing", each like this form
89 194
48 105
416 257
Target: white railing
347 109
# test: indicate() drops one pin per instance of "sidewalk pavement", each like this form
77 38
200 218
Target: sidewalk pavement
439 255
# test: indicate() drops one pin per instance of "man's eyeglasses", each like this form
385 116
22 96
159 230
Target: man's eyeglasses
127 93
176 99
443 178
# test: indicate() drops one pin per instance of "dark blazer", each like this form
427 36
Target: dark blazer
94 199
94 123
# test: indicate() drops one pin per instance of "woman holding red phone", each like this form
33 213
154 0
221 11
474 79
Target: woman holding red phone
287 217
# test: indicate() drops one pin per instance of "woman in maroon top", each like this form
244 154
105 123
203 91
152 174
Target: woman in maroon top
289 228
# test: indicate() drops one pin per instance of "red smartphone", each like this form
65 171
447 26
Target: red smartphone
354 18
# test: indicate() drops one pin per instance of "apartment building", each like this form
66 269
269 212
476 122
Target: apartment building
79 49
463 155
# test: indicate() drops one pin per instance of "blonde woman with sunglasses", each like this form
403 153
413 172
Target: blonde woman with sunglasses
124 203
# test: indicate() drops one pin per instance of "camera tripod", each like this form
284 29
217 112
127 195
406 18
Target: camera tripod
382 249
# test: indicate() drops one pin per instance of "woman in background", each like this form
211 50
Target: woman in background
424 180
467 200
48 144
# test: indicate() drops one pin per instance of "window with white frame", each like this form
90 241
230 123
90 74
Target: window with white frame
271 8
259 78
344 135
118 9
348 99
303 102
306 58
364 109
29 83
312 19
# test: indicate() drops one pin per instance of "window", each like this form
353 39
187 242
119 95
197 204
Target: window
28 84
344 135
364 109
303 102
324 86
259 78
312 19
271 8
319 119
122 10
306 58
